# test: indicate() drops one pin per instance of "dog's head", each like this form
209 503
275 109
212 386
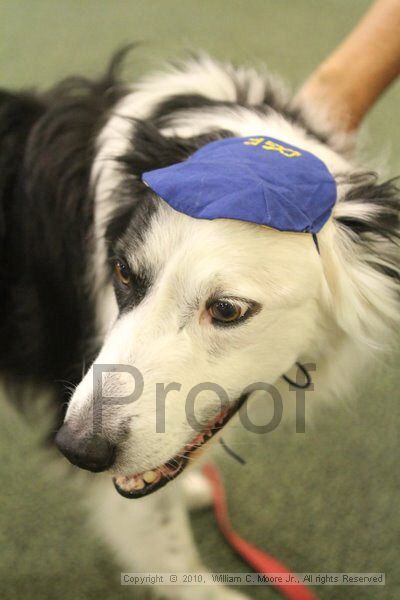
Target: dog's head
203 311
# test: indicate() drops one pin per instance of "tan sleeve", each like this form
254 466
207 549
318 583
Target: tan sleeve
351 79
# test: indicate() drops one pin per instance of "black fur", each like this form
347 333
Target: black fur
378 232
149 150
46 150
18 112
384 197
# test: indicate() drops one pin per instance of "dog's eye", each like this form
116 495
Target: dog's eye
122 273
226 311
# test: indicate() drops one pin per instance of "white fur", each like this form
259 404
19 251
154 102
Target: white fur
153 535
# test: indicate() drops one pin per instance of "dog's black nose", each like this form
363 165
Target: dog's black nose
91 452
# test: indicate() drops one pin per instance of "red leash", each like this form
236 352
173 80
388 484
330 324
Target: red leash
256 558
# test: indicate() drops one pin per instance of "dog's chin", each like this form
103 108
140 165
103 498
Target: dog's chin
142 484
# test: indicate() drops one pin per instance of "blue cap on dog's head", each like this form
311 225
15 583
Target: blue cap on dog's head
257 179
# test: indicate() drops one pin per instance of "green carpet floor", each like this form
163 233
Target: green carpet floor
327 500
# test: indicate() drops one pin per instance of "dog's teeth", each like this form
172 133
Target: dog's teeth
150 476
138 484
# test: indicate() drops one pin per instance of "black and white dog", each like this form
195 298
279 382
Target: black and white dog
95 269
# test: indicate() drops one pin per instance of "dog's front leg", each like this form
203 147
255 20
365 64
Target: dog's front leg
152 534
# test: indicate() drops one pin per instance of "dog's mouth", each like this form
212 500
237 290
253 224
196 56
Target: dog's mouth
138 485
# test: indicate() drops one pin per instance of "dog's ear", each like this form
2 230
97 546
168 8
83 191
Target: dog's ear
150 149
362 258
370 210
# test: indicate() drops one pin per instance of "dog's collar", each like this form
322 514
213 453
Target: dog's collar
256 179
